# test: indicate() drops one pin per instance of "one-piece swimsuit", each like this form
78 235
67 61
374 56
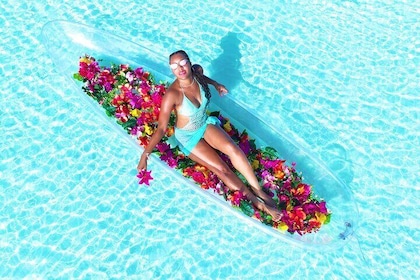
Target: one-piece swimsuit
188 136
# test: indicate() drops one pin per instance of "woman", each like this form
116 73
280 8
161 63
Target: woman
199 135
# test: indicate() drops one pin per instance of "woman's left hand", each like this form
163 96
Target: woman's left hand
221 89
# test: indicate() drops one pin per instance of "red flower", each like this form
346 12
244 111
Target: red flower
144 140
89 69
122 113
107 80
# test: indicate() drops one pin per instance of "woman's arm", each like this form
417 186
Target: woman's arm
164 115
219 87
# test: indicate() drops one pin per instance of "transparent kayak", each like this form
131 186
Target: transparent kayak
66 42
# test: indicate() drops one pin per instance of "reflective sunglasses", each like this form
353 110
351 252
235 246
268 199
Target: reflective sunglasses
180 63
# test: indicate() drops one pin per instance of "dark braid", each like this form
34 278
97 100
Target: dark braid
197 75
204 85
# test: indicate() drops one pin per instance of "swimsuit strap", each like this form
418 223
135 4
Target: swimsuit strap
188 99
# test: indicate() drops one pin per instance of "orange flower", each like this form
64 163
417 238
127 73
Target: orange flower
170 131
278 170
279 174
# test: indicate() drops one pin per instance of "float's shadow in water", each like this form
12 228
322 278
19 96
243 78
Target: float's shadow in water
226 70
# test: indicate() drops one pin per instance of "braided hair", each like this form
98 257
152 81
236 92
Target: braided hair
198 75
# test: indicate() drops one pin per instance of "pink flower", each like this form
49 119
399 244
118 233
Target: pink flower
130 77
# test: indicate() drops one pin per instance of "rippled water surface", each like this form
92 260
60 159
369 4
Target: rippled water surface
342 78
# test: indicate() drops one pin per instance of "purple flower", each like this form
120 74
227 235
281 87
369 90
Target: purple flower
139 72
134 100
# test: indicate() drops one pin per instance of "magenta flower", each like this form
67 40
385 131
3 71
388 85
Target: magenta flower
163 147
283 198
268 163
139 72
322 206
168 157
107 80
172 162
90 70
237 197
245 147
145 87
145 177
157 98
310 207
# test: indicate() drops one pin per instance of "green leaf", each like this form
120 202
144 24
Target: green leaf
270 152
247 208
215 113
129 124
78 77
328 219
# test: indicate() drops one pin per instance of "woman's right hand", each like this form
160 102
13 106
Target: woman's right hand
142 162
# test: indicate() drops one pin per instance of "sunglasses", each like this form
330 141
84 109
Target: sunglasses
180 63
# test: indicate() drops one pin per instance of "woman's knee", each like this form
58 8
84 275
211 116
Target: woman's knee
234 151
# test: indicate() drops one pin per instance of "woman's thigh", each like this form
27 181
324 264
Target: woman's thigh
217 138
205 155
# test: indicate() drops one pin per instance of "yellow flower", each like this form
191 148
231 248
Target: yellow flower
227 127
321 217
148 129
85 60
255 164
282 226
135 113
203 170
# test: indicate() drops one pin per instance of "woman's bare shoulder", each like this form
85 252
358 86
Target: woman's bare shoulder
173 93
173 87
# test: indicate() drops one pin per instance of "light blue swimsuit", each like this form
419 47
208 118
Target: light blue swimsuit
188 136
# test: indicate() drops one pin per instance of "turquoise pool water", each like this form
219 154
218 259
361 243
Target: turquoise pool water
341 77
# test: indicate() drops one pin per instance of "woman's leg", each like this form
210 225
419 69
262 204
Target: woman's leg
205 155
220 140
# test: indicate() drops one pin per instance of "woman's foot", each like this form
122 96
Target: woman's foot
262 205
274 212
264 196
